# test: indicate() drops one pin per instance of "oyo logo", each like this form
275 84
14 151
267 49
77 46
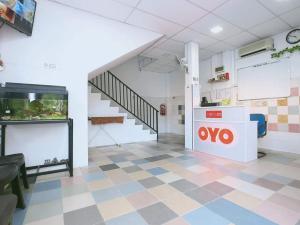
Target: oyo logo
225 136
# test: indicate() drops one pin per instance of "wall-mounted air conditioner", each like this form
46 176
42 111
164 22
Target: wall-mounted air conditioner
256 47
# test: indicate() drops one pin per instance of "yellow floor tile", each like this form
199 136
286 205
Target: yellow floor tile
99 184
243 199
181 204
115 208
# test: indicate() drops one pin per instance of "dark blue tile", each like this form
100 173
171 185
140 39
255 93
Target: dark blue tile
237 214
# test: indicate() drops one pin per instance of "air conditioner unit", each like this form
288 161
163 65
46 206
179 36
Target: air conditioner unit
256 47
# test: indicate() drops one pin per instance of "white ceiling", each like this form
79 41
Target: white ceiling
181 21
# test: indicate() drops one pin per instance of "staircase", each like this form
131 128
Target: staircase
114 97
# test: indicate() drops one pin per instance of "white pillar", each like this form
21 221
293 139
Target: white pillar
192 90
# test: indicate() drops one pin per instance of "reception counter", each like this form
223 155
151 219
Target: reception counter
225 131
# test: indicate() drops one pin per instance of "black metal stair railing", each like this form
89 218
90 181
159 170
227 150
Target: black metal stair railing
128 99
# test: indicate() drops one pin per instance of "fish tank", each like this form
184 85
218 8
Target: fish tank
25 102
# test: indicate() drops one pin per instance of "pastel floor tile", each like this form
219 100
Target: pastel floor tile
118 176
201 195
57 220
45 196
278 179
181 204
132 169
87 216
168 177
115 208
236 214
198 169
242 199
247 177
78 201
268 184
204 216
288 202
140 175
295 184
261 192
157 171
183 185
141 199
74 190
99 184
106 194
277 214
163 191
109 167
69 181
177 221
125 164
93 176
48 185
128 219
157 214
290 192
131 187
151 182
218 188
43 211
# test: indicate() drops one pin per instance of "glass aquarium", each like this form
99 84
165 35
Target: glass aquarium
33 102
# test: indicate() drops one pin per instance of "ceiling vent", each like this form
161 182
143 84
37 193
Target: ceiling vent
256 47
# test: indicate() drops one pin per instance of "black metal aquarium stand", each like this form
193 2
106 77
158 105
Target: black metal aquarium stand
68 162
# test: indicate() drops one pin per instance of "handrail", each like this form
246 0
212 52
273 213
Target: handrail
128 99
132 90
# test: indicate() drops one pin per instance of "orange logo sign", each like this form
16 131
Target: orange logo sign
225 136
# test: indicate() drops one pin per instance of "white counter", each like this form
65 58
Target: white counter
225 131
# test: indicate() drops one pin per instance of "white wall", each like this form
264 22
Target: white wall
157 88
281 141
75 43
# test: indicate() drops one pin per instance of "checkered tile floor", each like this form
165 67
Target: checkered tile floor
160 183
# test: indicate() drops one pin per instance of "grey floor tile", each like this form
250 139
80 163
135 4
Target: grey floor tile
74 190
218 188
183 185
268 184
43 211
201 195
86 216
48 185
295 184
109 167
151 182
157 214
132 169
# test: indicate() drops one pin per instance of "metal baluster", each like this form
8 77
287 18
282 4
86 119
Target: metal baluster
105 83
116 90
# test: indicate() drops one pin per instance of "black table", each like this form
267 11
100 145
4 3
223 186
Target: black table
68 162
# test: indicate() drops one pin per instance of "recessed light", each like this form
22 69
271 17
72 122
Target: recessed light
216 29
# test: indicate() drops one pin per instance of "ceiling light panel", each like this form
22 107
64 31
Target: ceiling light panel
206 23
